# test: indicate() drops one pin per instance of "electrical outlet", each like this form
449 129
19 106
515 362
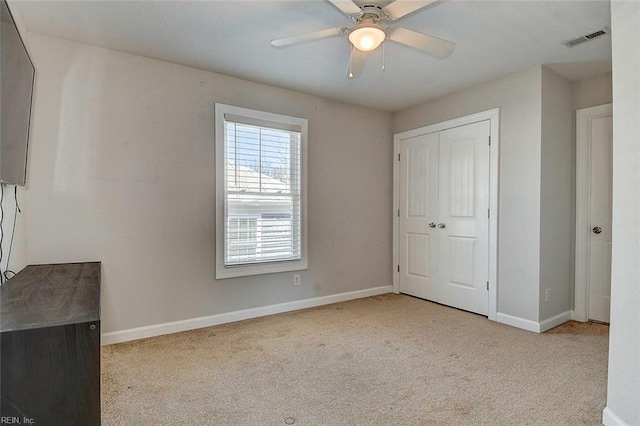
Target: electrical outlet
547 295
296 279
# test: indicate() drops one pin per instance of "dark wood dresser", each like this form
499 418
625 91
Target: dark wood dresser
50 345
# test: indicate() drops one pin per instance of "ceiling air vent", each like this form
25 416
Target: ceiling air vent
587 37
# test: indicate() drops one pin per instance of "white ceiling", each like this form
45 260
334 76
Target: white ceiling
493 38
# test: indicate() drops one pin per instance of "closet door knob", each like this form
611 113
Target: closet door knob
442 225
597 230
432 225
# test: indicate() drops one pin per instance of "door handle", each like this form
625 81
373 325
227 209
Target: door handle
442 225
597 230
432 225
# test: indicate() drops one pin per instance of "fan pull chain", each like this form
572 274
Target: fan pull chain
350 61
383 55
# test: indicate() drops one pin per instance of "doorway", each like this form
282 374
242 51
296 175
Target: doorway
594 170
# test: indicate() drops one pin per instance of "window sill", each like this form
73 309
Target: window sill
263 269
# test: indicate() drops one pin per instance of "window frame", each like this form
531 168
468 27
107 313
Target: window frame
222 270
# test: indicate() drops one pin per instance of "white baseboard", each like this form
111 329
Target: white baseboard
518 322
555 321
609 418
208 321
536 327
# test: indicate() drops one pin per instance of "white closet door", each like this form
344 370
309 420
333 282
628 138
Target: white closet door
601 135
418 208
463 227
444 224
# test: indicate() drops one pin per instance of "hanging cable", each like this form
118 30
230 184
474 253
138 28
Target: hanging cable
1 230
13 234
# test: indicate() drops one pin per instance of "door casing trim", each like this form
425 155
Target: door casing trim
493 115
583 189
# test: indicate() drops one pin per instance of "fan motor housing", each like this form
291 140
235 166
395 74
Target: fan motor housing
372 11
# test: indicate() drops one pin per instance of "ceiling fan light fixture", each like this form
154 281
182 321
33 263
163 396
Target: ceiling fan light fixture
367 37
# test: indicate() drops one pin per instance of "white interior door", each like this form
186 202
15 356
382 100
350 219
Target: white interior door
601 167
464 222
419 208
444 223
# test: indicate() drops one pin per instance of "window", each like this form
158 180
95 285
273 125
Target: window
260 192
242 238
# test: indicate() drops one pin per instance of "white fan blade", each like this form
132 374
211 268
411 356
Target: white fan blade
432 45
348 7
400 8
356 62
303 38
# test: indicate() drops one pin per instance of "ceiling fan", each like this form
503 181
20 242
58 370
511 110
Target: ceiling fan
369 33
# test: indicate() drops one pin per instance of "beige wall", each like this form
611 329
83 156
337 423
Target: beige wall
122 171
623 392
519 99
557 213
592 91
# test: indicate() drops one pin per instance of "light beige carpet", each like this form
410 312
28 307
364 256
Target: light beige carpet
385 360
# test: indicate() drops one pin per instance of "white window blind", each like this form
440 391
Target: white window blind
262 186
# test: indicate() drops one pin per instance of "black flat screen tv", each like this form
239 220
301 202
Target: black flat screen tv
16 90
